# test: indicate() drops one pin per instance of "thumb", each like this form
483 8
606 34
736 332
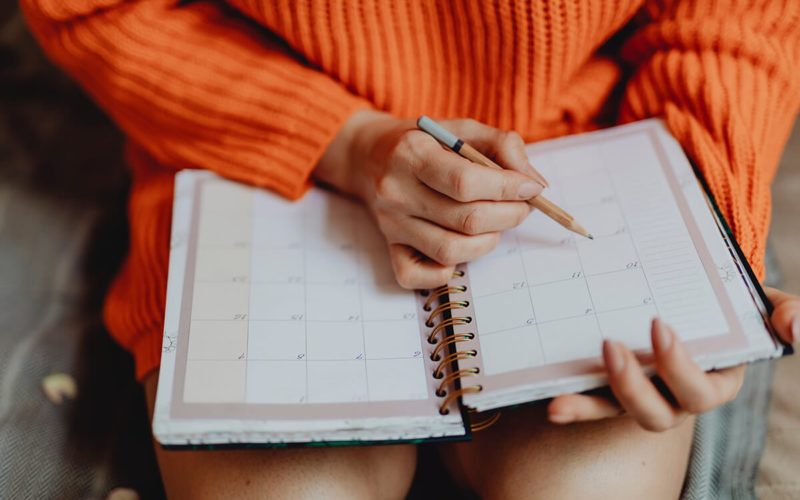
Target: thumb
582 408
785 315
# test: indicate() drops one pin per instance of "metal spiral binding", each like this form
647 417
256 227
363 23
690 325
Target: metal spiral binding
438 373
436 355
442 327
440 292
446 306
446 352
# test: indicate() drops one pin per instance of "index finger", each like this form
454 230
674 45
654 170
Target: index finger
636 392
695 390
505 147
463 180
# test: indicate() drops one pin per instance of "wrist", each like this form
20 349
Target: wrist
345 163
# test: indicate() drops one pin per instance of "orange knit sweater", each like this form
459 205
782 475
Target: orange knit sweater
256 89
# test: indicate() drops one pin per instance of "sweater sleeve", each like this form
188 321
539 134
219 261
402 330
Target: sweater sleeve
197 86
725 75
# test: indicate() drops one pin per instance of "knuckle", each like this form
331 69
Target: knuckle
507 187
408 140
403 146
512 138
461 184
446 251
385 188
472 221
470 125
627 392
404 277
412 145
382 185
420 142
523 213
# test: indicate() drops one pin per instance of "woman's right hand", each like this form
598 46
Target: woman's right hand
427 200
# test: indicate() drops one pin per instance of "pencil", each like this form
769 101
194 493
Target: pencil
541 203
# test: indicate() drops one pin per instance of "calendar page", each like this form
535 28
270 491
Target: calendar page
545 299
286 317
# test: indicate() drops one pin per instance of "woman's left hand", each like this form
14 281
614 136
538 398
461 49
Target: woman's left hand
690 389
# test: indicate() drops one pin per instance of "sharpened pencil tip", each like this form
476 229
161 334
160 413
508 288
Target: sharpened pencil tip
590 236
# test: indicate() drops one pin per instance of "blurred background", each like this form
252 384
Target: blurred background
777 476
63 235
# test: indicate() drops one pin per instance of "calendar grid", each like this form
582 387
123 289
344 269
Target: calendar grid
583 269
318 318
360 277
653 226
588 290
542 283
517 326
530 294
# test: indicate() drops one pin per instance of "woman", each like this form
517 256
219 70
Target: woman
275 93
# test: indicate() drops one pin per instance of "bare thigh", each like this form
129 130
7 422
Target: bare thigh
349 472
523 456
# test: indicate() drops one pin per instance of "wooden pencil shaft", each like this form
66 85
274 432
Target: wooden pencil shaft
476 156
545 205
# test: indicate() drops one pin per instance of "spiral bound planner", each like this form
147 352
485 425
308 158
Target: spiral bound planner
284 324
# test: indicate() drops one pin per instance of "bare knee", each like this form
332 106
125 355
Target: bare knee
344 472
357 472
525 457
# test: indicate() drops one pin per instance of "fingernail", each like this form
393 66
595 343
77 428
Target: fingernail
662 338
561 418
794 331
615 359
538 176
529 190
